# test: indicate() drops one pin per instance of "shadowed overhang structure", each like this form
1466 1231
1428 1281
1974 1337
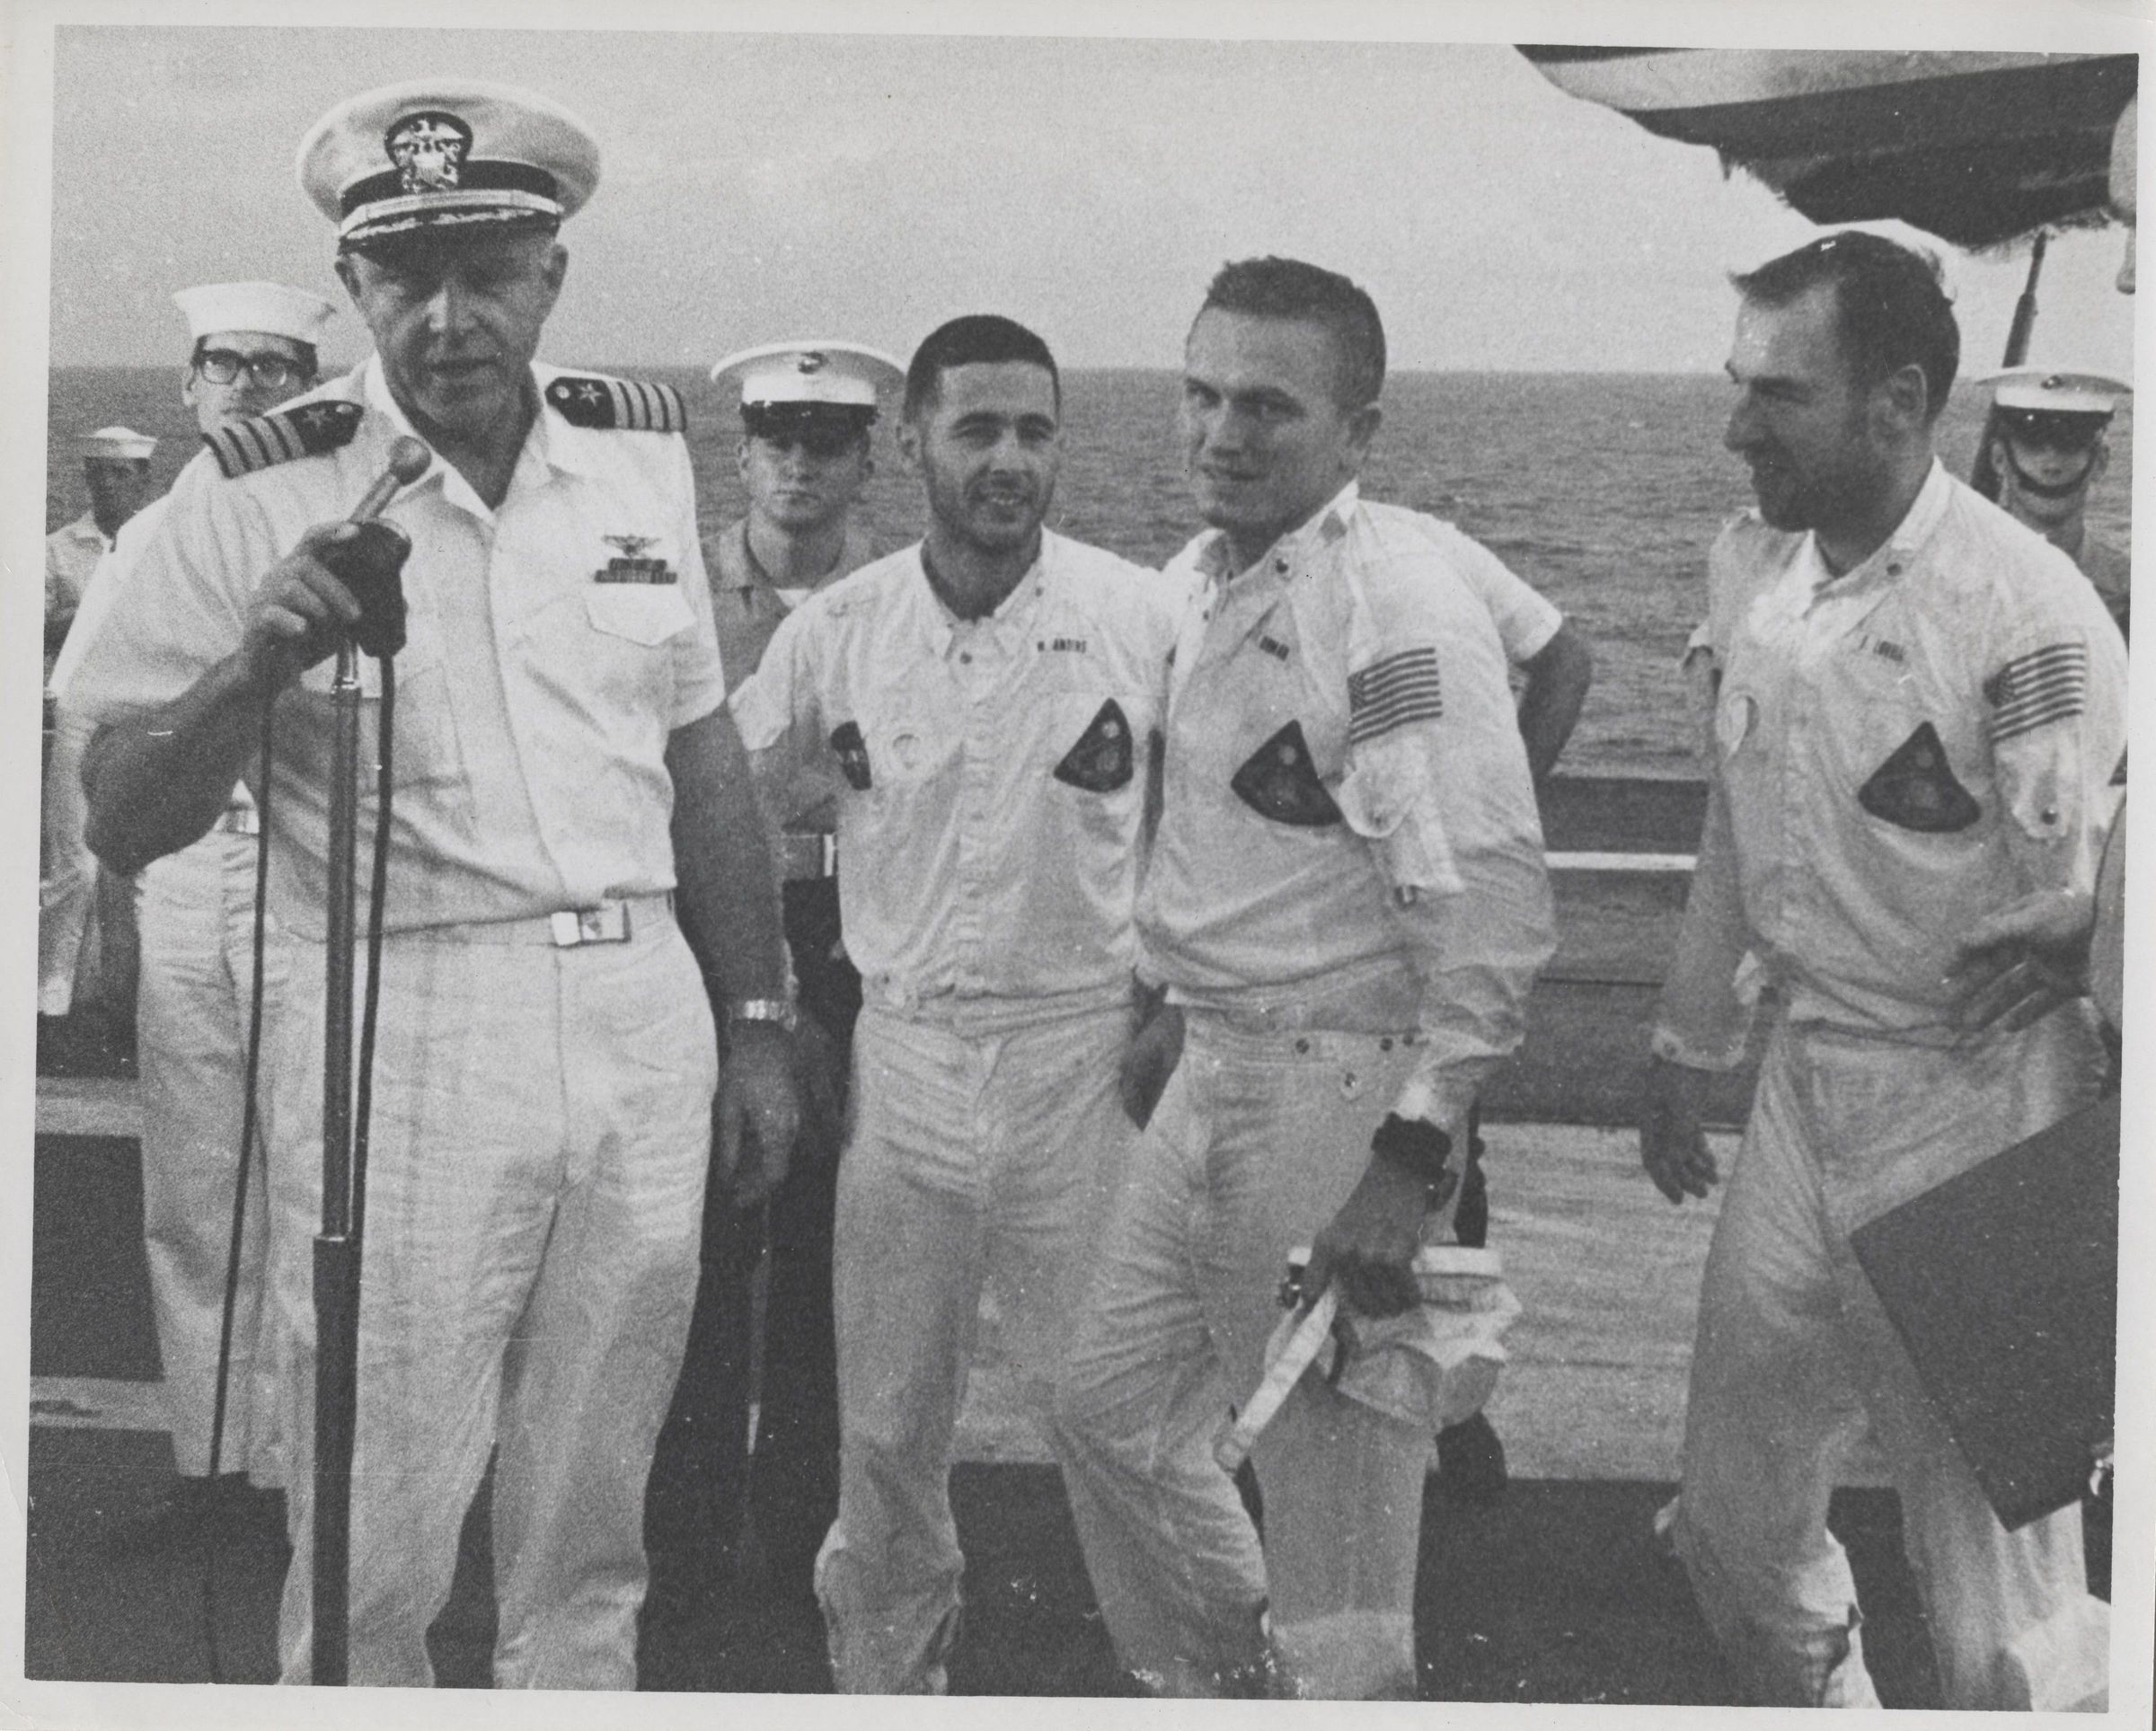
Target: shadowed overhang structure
1975 148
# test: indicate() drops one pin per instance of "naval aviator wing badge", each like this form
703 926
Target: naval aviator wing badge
1279 781
1915 789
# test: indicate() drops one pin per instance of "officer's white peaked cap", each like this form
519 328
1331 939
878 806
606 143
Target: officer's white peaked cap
115 444
811 371
2056 391
451 155
268 307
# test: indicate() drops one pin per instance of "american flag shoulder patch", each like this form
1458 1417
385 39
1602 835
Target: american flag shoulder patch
1391 691
2045 686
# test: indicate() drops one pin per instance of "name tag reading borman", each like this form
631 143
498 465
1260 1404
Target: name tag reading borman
630 565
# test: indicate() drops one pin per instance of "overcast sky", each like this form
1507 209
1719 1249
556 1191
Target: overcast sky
762 186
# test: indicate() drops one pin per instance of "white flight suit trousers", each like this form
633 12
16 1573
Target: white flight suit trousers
1256 1143
67 868
195 911
988 1144
1794 1353
540 1128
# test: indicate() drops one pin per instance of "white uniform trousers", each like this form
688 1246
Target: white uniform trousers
195 911
67 868
988 1147
1256 1143
1794 1353
541 1128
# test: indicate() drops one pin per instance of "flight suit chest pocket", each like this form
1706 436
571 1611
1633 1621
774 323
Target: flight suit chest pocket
1103 758
1281 782
1896 751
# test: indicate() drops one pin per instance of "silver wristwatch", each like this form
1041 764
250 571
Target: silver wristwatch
782 1010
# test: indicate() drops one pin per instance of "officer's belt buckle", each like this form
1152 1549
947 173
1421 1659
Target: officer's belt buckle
805 856
606 924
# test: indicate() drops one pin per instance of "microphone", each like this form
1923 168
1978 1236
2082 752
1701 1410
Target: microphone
370 560
408 460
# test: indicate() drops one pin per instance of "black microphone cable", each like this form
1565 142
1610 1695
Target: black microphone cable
250 1149
251 1144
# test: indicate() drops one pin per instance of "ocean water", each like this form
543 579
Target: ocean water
1602 491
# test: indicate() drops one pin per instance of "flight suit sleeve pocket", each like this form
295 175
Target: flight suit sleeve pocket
1386 801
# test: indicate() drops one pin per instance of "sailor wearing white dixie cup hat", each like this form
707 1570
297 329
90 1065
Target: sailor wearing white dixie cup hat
566 776
254 345
2050 445
116 473
808 408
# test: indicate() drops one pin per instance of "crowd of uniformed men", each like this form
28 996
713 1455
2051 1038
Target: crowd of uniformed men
991 915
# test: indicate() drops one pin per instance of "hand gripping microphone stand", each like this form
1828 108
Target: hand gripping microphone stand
368 563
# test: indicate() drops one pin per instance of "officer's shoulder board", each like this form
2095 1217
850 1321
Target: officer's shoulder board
617 405
304 429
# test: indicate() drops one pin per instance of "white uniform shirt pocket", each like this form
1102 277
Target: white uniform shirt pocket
644 613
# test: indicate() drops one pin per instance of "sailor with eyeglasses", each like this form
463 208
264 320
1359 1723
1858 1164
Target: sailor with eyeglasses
255 348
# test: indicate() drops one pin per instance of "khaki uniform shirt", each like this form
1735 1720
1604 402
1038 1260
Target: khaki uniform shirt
2109 566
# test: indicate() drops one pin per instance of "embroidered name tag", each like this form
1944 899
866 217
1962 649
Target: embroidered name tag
631 565
1066 645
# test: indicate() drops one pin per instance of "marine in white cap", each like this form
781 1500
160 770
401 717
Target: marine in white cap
571 814
253 346
809 408
116 473
2050 445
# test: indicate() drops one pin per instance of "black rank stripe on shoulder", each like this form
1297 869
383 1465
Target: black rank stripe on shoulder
304 430
618 405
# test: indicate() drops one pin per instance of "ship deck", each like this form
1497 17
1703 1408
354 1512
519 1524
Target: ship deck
1557 1593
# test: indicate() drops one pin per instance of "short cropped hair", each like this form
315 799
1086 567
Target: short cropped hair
976 337
1891 308
1289 289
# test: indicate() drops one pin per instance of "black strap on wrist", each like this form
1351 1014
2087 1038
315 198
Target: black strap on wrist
1417 1146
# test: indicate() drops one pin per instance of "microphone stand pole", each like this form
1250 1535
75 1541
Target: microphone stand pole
337 1246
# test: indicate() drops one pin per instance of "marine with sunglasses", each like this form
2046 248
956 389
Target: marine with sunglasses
2050 445
809 408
